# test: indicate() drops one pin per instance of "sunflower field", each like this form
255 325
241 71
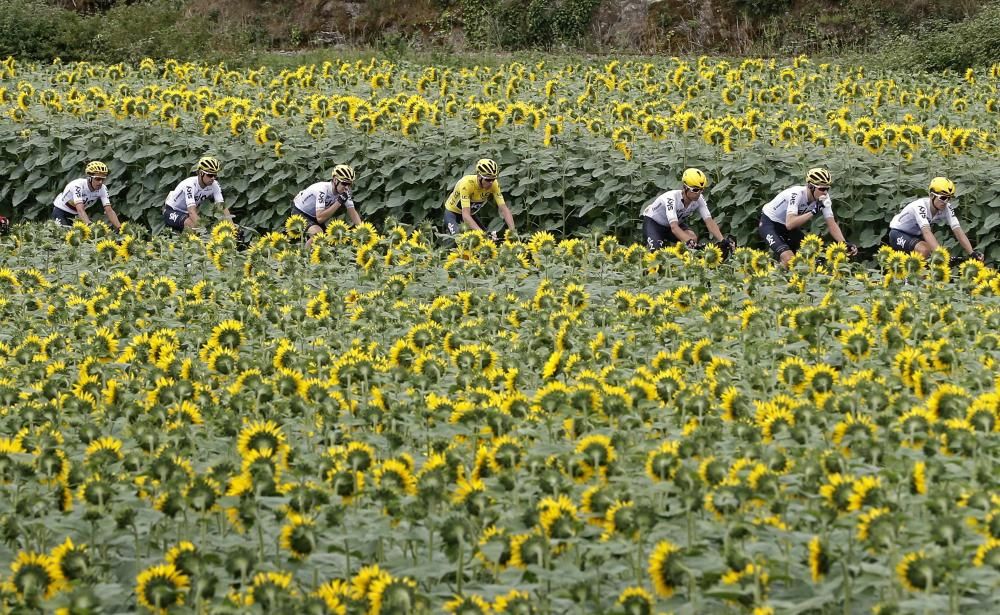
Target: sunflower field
368 424
582 147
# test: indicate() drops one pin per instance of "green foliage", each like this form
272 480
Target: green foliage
939 46
33 29
520 24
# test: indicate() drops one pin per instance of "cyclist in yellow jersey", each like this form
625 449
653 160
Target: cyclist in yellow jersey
469 196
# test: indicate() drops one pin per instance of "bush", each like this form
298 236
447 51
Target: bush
34 29
972 42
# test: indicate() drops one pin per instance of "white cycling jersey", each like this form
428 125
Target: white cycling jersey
318 197
190 193
920 214
79 190
794 201
669 208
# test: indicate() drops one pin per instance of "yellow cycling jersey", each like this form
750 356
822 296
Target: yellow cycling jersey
467 193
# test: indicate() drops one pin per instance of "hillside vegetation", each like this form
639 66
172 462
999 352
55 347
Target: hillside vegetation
952 33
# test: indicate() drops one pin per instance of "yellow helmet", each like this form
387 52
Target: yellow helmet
96 168
942 186
343 173
487 168
208 164
819 177
694 178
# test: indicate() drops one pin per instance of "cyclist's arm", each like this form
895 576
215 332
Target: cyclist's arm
680 233
353 213
112 216
467 216
328 211
221 202
506 215
81 210
930 239
713 228
675 225
963 239
835 232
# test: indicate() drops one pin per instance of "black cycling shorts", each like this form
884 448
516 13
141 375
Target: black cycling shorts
657 235
777 236
174 219
63 217
310 219
903 241
453 222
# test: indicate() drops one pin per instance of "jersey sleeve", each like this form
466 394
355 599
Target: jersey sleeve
827 204
703 209
951 218
78 195
104 196
498 194
217 192
793 205
189 199
920 215
670 208
464 196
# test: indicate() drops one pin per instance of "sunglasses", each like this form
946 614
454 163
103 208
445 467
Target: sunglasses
489 180
821 188
943 197
348 184
695 190
212 175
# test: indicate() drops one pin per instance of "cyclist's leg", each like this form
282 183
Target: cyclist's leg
905 242
656 235
62 217
774 235
452 222
175 220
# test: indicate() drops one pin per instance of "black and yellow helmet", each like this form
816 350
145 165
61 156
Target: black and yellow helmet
208 164
487 168
96 168
942 186
343 173
694 178
819 177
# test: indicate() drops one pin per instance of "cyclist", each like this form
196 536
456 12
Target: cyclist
71 204
783 218
4 225
910 229
469 196
180 211
663 220
320 201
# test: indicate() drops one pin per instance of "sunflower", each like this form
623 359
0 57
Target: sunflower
161 587
664 571
467 605
662 462
557 517
260 436
227 334
298 536
597 451
988 554
636 601
394 475
865 491
528 549
819 561
36 575
72 561
917 572
516 602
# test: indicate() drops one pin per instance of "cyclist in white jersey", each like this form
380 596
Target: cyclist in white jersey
664 220
782 219
181 208
71 204
320 201
910 229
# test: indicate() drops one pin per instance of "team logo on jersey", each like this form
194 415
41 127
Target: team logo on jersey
901 242
770 239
